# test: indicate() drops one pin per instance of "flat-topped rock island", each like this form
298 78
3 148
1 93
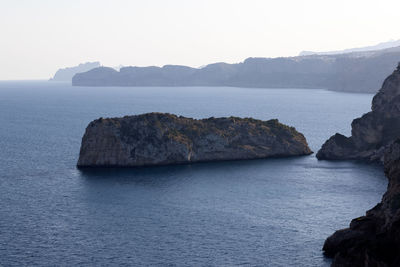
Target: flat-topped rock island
164 139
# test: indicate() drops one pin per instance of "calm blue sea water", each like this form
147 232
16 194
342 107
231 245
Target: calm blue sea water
254 213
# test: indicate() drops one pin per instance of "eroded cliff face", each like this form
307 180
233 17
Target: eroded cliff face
373 133
161 139
374 239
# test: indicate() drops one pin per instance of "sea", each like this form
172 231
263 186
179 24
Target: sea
268 212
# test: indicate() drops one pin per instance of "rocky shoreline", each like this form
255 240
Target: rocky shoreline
373 133
373 239
163 139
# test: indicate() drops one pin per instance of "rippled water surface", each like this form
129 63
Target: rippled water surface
274 212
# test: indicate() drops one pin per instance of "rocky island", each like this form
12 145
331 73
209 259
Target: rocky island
373 239
162 139
373 133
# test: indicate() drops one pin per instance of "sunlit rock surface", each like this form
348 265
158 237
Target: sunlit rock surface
162 139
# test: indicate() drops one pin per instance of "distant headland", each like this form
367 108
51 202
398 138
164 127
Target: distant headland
66 74
361 72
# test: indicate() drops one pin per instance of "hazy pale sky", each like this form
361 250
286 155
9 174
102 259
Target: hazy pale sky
40 36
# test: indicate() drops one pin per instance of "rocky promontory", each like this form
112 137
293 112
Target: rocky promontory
374 239
362 71
373 133
66 74
162 139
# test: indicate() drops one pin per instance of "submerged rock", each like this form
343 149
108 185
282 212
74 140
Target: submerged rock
161 139
374 239
373 133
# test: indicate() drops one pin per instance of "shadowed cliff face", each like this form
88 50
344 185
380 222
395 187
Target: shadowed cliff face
160 139
374 239
373 132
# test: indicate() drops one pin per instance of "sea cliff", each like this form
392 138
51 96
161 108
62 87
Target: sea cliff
373 133
373 239
162 139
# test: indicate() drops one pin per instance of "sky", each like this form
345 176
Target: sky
40 36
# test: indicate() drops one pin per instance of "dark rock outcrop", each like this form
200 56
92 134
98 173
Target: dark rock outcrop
374 239
161 139
373 133
352 72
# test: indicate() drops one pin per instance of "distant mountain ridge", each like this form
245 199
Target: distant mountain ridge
66 74
361 72
380 46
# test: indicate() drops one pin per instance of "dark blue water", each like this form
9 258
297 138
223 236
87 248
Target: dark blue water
263 212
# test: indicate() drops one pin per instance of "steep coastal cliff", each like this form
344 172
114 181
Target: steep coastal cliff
373 132
161 139
374 239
